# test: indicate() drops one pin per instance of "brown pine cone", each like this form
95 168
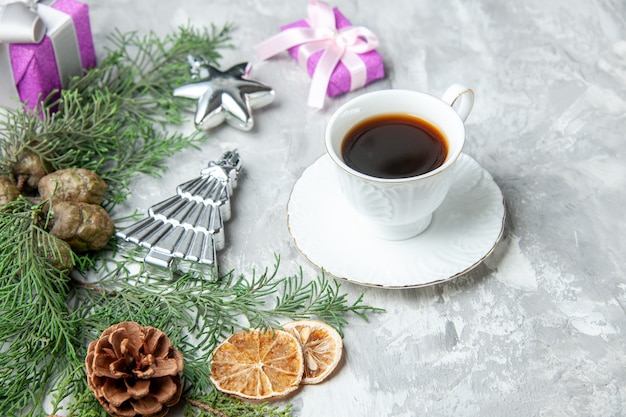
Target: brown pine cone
134 371
58 252
8 191
28 170
73 184
83 226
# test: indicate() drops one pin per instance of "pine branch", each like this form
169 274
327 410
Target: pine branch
215 404
321 298
114 121
37 332
197 313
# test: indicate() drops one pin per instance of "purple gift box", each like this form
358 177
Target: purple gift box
31 71
340 80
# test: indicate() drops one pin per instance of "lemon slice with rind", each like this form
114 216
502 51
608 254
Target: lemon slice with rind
258 365
322 348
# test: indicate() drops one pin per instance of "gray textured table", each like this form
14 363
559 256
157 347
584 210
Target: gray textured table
538 329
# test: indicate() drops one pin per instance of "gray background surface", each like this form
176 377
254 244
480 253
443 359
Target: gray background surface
538 328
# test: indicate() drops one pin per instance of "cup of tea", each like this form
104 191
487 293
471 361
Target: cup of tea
395 153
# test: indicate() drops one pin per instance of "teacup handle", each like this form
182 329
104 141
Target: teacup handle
460 98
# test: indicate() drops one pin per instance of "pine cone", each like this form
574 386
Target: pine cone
73 184
8 191
28 170
134 371
83 226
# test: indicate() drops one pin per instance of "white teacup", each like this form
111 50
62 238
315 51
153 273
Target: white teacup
399 208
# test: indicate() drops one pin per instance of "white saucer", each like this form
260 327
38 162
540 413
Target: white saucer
463 232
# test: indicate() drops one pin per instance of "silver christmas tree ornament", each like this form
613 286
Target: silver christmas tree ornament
183 232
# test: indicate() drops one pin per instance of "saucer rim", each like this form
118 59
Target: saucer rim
327 271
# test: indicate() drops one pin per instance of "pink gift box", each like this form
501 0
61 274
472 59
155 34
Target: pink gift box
37 69
340 78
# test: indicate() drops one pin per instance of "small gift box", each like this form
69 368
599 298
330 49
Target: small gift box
339 57
41 47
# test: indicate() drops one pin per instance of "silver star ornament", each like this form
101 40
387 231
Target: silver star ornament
224 96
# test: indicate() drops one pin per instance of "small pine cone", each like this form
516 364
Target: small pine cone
134 371
57 252
28 171
83 226
8 191
73 184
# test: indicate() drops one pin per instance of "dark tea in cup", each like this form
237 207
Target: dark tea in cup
395 154
394 146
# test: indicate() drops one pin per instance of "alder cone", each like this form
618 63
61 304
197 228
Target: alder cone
134 371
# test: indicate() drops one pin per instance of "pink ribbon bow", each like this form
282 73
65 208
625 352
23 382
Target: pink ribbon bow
338 45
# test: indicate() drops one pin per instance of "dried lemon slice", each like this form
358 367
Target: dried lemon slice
321 345
256 365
